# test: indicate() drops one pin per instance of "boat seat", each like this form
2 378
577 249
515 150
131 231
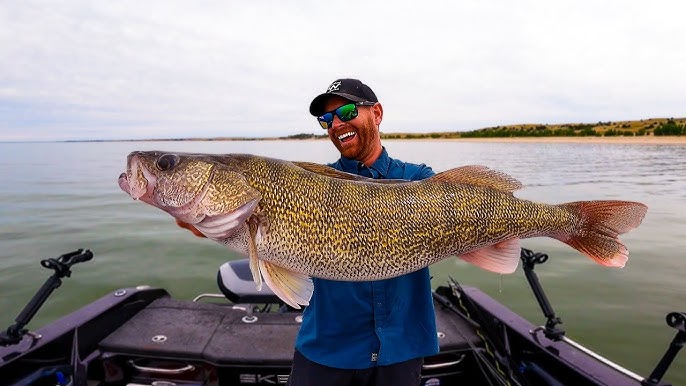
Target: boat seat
235 282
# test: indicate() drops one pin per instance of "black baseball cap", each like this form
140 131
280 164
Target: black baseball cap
350 89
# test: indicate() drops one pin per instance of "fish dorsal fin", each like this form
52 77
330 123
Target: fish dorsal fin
480 176
329 171
335 173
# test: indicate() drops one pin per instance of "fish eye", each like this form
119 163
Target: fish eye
167 161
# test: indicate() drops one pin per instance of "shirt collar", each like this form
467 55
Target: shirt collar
380 166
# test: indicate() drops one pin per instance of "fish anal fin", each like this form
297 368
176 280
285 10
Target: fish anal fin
502 257
294 288
480 176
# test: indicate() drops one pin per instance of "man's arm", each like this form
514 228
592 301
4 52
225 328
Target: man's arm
421 172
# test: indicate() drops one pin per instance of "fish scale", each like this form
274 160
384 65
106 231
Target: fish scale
312 220
364 221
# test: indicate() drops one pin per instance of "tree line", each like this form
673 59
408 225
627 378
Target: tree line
601 129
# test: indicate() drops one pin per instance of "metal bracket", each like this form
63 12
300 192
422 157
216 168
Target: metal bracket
529 260
61 265
675 320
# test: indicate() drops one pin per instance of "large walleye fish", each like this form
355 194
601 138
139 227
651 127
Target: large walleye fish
296 220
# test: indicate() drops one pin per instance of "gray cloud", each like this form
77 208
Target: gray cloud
77 69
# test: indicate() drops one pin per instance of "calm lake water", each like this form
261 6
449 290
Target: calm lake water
57 197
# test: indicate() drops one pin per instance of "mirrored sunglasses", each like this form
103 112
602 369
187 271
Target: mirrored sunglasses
344 113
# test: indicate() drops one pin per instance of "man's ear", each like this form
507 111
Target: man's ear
377 110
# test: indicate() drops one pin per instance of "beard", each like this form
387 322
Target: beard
365 141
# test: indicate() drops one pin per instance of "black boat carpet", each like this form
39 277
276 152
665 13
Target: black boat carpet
222 335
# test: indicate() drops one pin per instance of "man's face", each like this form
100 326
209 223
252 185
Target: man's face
357 138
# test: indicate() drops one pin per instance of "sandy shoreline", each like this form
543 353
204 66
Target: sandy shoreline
642 140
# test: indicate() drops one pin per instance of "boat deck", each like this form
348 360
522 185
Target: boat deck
200 331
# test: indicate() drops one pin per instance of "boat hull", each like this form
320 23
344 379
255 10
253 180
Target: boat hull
140 335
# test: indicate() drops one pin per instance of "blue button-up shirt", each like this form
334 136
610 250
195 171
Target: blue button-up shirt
357 325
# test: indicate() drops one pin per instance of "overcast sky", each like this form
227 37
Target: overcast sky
166 69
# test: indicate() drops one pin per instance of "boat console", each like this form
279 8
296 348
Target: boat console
234 280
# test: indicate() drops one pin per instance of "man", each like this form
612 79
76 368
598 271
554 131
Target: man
364 333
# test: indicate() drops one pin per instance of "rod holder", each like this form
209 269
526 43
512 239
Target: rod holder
529 260
62 267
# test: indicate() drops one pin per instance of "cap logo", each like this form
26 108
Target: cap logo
334 86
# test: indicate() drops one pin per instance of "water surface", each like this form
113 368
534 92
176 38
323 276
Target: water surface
57 197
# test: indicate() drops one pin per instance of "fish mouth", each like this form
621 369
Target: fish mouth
141 187
139 183
124 183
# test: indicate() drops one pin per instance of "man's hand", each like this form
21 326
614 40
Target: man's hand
189 227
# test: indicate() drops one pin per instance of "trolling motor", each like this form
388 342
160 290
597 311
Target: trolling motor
61 265
529 260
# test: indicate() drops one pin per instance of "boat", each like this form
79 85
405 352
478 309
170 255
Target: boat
143 336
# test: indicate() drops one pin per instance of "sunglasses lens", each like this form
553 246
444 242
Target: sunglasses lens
347 112
344 113
325 121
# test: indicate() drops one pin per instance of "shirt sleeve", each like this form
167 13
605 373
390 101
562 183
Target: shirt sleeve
415 172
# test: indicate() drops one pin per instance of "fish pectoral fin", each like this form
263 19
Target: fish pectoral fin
480 176
260 218
293 288
252 256
221 226
500 258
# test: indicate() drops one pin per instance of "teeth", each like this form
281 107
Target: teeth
346 135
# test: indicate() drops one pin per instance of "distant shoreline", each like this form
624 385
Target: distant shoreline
636 140
660 131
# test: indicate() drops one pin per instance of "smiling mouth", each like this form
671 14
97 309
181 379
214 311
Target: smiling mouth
345 137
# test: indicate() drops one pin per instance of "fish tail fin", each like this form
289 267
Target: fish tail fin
600 223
